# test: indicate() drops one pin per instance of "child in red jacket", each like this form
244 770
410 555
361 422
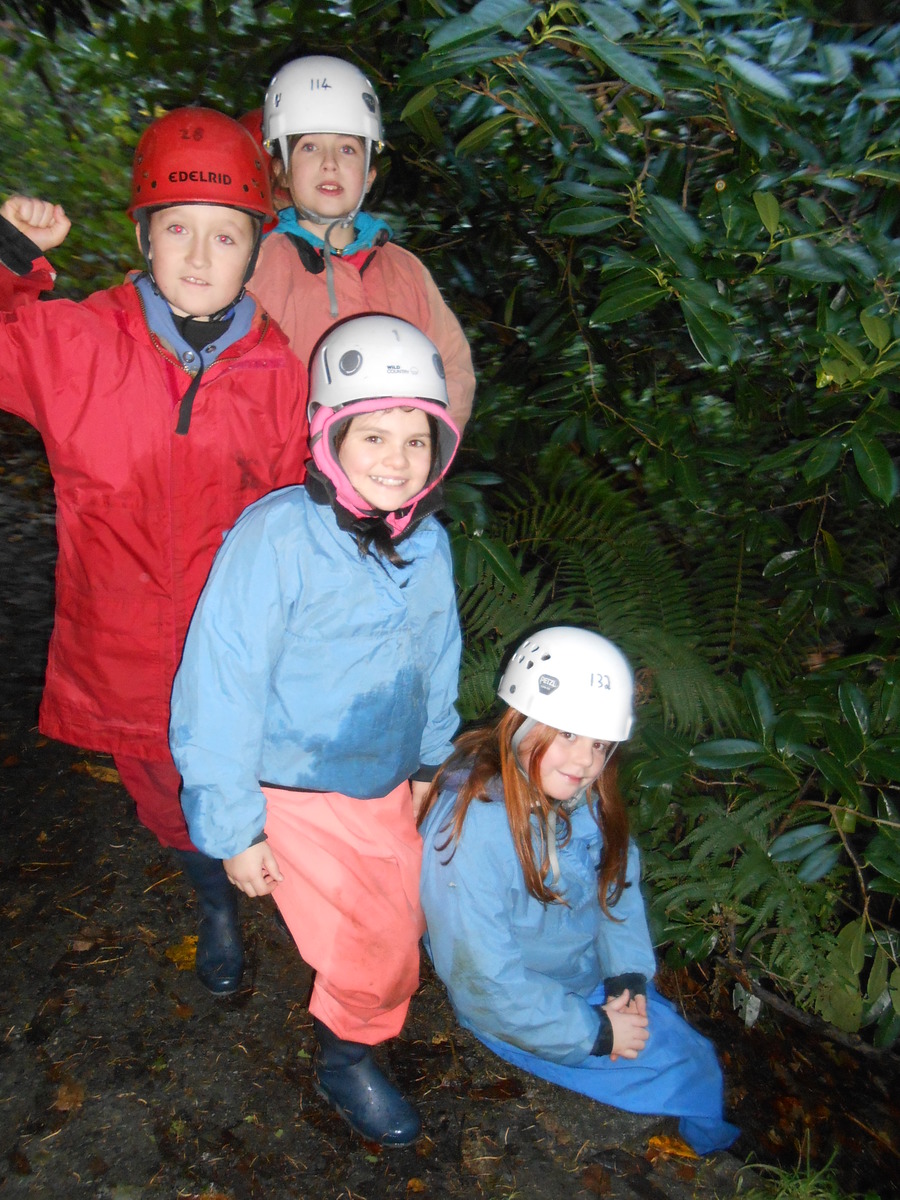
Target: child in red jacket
167 405
328 259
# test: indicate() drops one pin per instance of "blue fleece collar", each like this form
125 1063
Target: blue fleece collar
159 319
365 228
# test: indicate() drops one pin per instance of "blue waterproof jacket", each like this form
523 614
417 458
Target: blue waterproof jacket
525 977
516 969
308 666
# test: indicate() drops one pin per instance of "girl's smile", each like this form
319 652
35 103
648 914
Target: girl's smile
571 762
387 456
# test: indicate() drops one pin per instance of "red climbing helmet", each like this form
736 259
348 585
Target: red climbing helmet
199 156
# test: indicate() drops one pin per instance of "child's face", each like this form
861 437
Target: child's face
328 173
199 253
387 456
570 763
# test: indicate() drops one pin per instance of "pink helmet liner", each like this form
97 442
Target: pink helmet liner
326 422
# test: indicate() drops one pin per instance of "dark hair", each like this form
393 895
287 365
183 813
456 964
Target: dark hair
376 535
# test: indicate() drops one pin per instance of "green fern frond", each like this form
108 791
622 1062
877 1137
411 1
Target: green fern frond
602 565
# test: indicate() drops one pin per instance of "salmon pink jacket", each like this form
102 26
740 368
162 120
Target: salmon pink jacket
140 509
292 284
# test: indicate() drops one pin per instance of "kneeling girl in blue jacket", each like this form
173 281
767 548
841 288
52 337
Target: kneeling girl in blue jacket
531 892
318 681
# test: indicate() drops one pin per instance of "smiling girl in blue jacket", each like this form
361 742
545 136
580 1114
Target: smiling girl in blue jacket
318 683
531 892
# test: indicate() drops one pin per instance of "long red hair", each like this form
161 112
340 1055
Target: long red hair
487 753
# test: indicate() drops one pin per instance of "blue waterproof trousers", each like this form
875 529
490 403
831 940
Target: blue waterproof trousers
676 1074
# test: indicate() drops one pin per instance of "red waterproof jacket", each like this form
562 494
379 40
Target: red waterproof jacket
141 510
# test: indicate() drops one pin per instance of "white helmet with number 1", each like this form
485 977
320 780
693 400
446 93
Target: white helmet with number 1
367 364
573 680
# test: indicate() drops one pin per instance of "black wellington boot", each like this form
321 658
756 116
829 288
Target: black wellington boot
220 948
348 1077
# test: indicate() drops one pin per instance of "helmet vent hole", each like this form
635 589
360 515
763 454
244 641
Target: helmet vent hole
350 362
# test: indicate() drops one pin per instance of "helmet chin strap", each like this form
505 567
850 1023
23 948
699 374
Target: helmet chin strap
309 214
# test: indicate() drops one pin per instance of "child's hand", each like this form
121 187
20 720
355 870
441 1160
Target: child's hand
255 870
44 223
637 1004
629 1026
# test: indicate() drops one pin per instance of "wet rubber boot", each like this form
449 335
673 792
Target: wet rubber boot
347 1076
220 948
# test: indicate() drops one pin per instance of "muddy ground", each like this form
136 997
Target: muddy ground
121 1079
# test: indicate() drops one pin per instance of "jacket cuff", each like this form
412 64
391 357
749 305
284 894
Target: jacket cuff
17 252
603 1043
425 773
632 981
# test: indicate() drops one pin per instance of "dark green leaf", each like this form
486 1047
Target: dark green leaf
769 211
818 864
875 466
710 334
728 754
511 16
623 64
799 843
758 77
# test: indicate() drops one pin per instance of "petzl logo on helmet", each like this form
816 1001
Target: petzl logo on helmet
547 685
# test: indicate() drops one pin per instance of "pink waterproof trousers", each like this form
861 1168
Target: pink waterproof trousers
350 897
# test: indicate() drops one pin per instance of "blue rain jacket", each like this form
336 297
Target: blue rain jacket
515 968
524 976
307 666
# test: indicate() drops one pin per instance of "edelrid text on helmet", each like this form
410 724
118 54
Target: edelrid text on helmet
574 680
199 156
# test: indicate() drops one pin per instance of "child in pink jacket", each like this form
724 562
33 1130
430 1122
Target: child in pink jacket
327 259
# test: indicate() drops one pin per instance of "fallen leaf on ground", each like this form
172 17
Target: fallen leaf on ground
96 771
669 1147
597 1180
184 953
70 1096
